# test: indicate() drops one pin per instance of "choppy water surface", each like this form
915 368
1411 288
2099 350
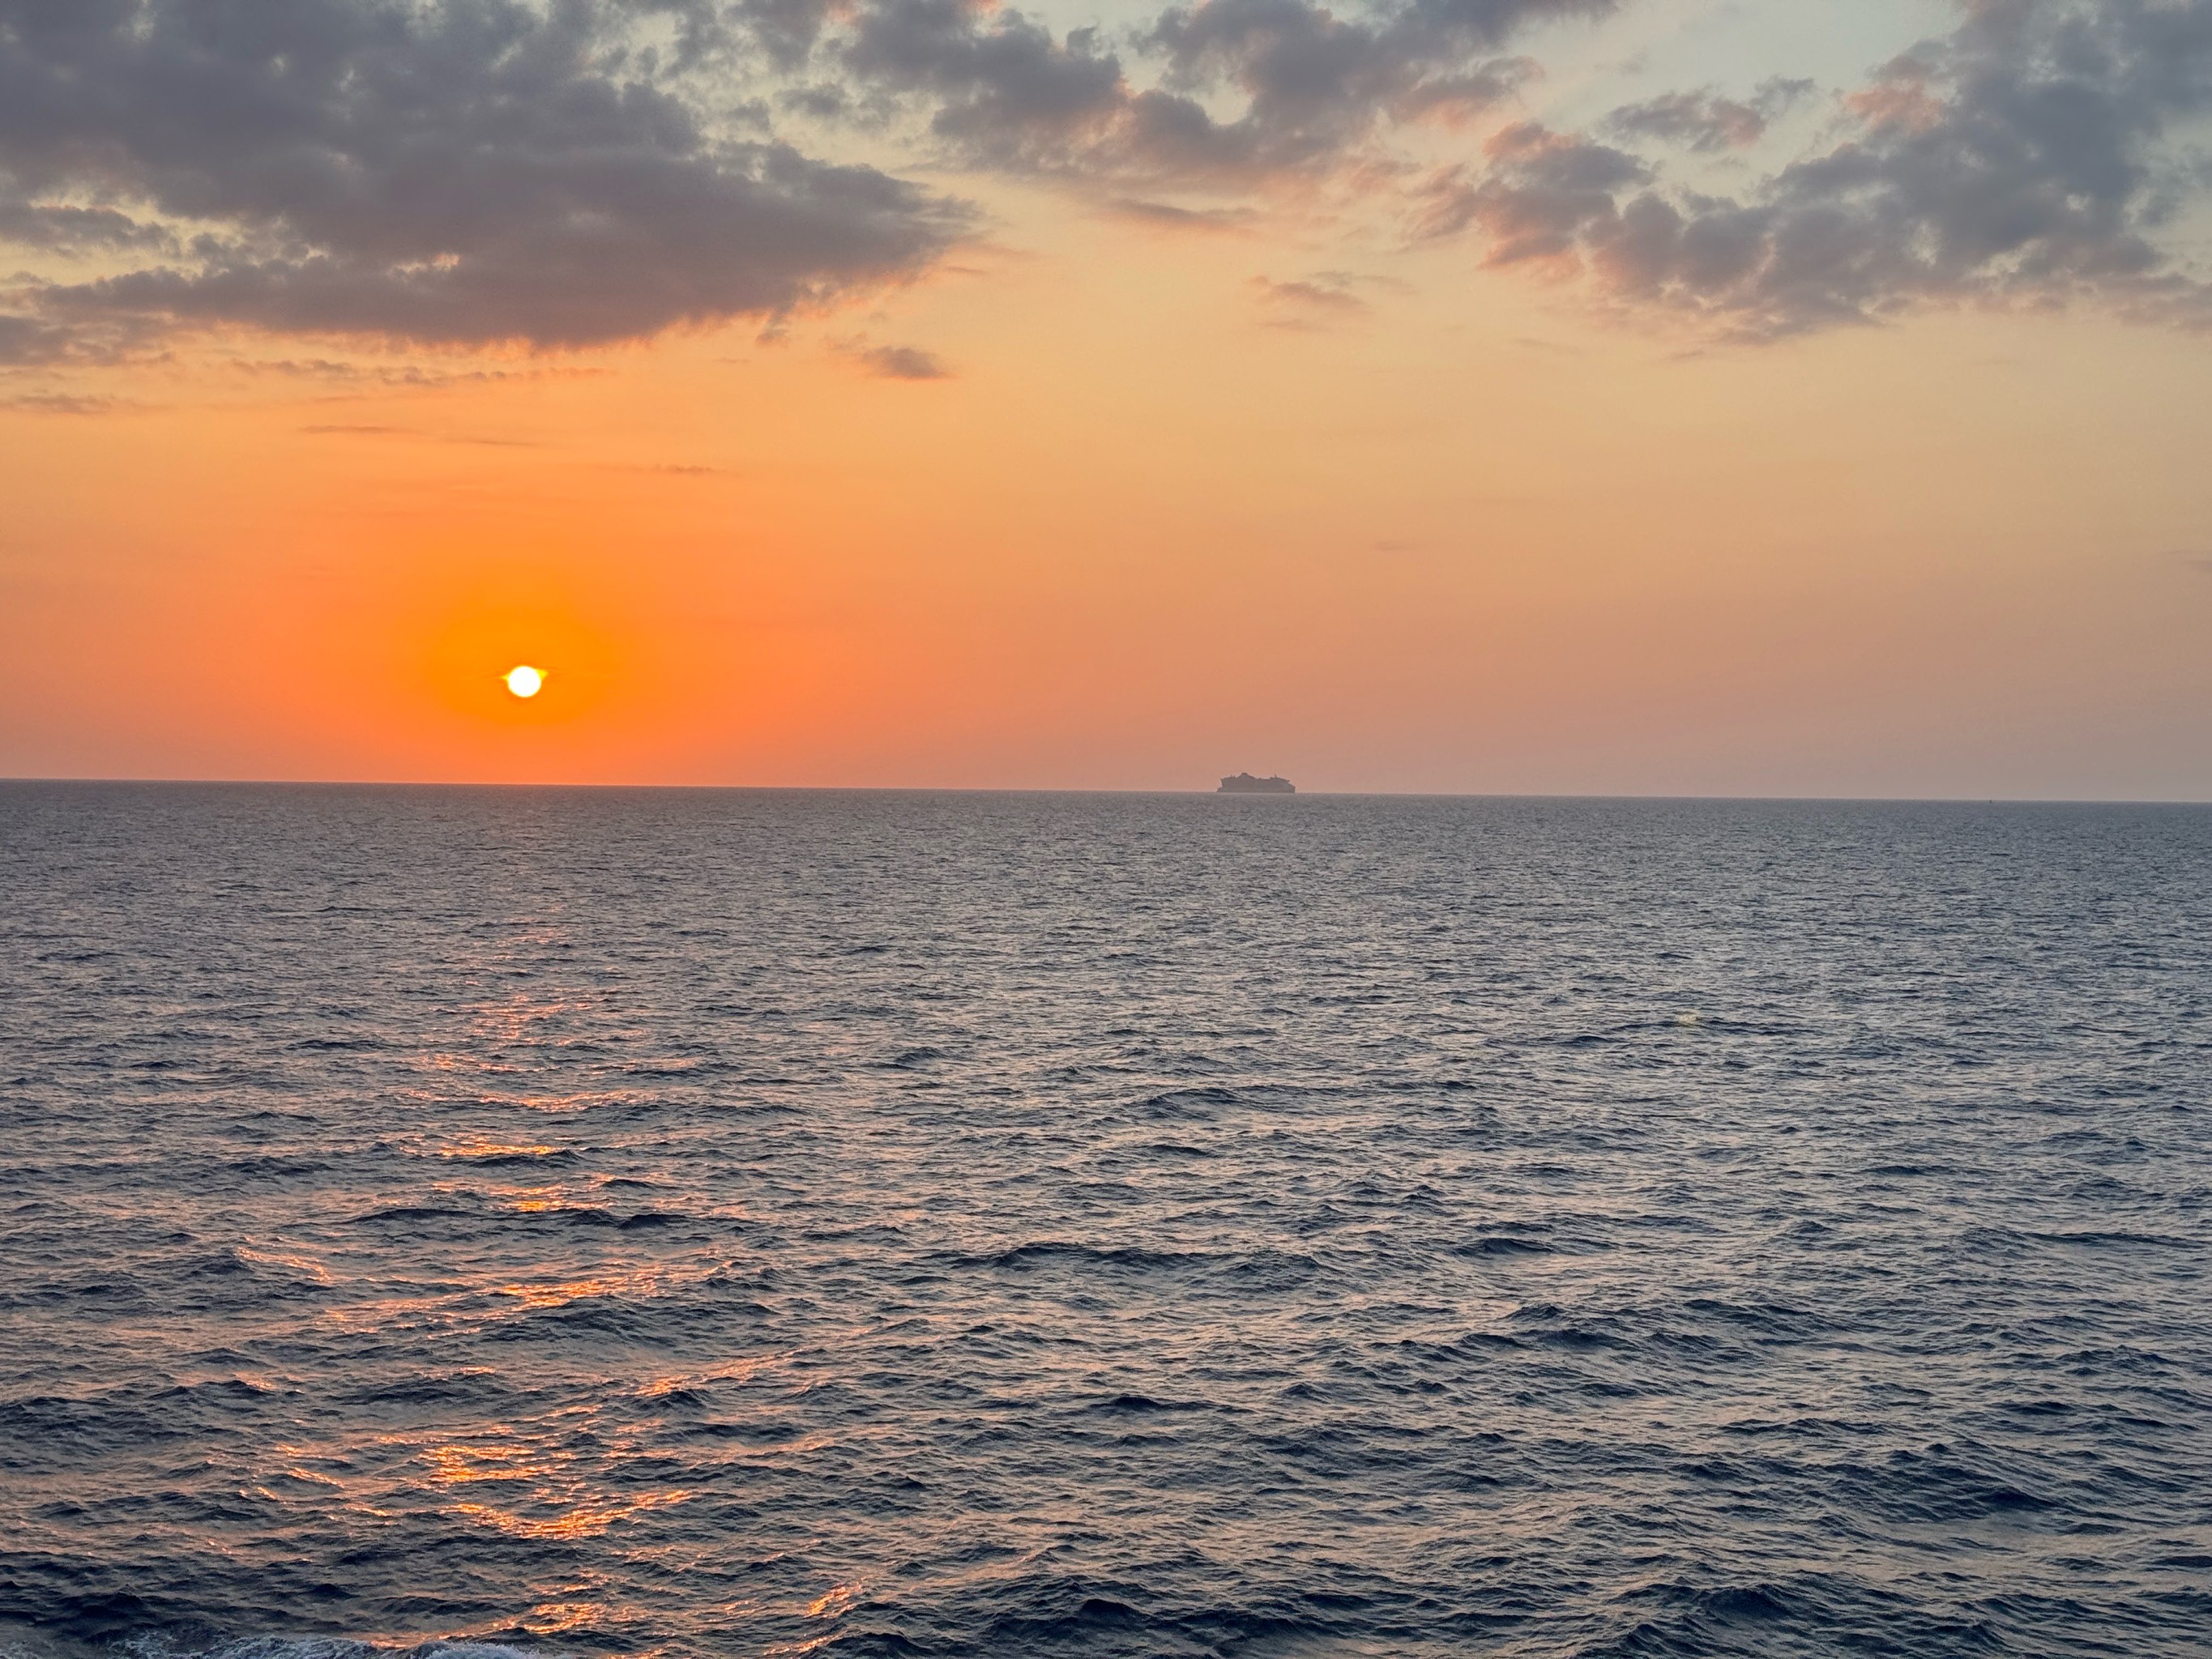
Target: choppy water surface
759 1224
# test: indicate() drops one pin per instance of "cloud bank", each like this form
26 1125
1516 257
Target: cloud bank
567 174
1308 84
2025 159
458 172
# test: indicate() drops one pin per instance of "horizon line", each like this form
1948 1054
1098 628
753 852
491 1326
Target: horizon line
13 780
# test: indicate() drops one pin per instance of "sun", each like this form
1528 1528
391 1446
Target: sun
525 680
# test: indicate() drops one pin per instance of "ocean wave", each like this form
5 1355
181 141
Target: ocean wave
1041 1228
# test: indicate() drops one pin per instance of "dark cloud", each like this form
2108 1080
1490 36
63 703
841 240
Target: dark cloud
1316 83
573 173
2024 159
62 228
1007 92
449 172
784 32
26 340
1307 84
1539 197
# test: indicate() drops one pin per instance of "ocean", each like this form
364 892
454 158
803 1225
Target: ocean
756 1223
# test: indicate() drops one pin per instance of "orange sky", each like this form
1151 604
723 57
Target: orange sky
1458 529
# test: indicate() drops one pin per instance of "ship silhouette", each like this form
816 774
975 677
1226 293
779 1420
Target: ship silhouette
1245 784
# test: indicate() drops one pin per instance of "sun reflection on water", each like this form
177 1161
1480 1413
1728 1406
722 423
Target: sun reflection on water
557 1502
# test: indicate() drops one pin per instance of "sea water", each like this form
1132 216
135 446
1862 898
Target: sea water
757 1223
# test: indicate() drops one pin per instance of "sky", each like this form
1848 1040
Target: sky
1670 397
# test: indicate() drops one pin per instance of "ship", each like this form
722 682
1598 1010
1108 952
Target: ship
1245 784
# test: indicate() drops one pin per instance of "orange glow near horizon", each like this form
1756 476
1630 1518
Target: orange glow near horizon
1006 478
1402 552
478 658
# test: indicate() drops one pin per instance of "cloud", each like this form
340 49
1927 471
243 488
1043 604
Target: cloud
67 228
340 430
447 173
358 379
901 363
27 340
1315 85
2024 160
2032 157
1539 198
571 173
1299 86
61 403
1319 301
1007 92
1167 215
1706 121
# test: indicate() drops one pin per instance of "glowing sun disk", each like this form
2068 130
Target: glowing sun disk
526 681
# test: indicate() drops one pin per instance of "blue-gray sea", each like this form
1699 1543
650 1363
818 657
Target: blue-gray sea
765 1224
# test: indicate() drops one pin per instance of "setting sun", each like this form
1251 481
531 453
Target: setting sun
526 681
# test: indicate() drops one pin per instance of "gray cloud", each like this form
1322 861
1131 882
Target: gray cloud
558 173
2031 157
1167 215
1316 84
32 341
1539 198
2022 160
1007 92
61 403
63 228
1706 121
452 172
1309 84
26 340
1317 301
901 363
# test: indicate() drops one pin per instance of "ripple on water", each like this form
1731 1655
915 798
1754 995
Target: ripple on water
493 1222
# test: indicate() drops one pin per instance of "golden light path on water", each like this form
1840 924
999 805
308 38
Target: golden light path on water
675 1225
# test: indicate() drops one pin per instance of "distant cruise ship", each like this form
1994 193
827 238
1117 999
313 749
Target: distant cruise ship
1245 784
